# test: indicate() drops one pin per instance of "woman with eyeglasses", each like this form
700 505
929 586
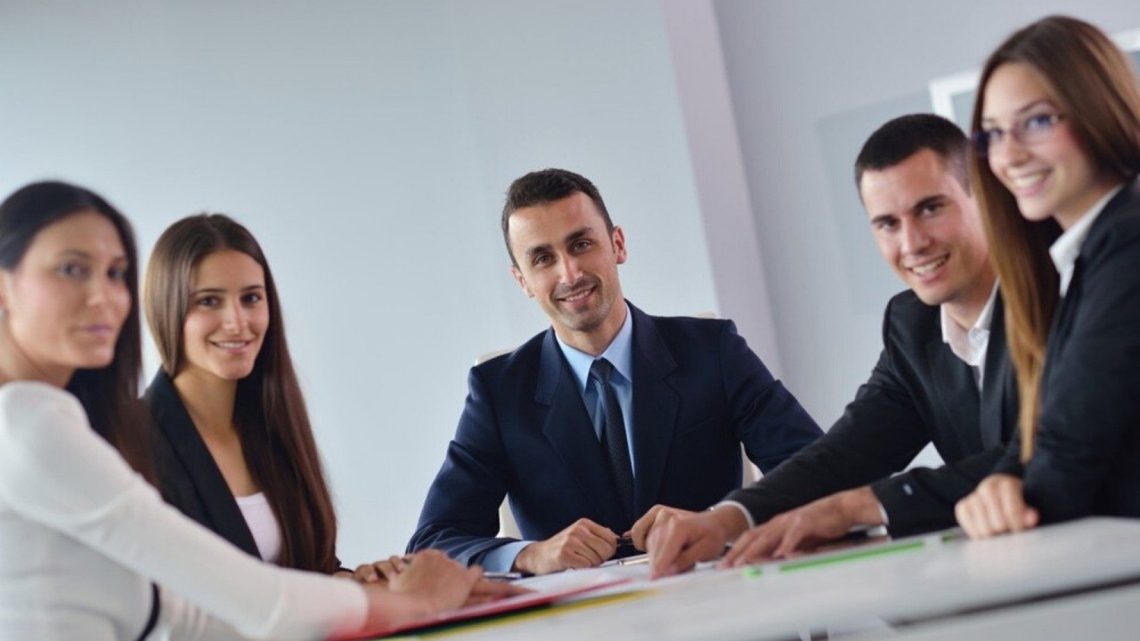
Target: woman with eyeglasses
1057 130
88 550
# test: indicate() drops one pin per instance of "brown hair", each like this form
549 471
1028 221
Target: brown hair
109 394
269 410
1095 84
546 186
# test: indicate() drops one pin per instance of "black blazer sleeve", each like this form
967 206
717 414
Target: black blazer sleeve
879 433
894 415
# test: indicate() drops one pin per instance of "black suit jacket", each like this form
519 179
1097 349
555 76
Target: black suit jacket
188 477
1086 457
918 393
698 392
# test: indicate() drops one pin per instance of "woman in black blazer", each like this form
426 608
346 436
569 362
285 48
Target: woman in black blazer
1057 130
234 450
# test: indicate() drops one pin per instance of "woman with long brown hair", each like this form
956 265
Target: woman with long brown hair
1057 130
83 534
235 449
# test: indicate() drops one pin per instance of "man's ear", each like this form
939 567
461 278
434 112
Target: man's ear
521 281
618 240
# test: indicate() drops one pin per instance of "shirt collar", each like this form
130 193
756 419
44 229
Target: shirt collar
619 353
955 335
1067 247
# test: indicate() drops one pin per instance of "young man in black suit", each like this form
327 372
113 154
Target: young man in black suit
611 410
943 377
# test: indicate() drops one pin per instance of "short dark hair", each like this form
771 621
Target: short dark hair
547 186
902 137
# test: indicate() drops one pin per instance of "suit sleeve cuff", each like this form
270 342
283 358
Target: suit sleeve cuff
502 558
743 510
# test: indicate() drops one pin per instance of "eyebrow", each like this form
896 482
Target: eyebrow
222 290
1024 109
882 218
929 200
79 253
571 237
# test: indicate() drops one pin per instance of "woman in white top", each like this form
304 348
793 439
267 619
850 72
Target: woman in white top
234 446
82 534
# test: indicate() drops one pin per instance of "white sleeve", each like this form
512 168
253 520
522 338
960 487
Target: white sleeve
56 471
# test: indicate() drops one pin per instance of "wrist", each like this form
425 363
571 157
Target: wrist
729 519
524 560
861 506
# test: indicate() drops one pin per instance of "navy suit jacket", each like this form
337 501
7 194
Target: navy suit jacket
698 393
1086 455
918 393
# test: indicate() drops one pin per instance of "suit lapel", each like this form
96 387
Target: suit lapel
655 406
209 485
956 390
568 428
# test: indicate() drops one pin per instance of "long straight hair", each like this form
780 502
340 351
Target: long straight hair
108 394
1095 84
269 409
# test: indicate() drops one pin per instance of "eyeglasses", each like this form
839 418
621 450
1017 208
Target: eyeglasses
1030 131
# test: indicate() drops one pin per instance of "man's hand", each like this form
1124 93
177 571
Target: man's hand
381 571
676 544
806 527
995 507
584 544
657 515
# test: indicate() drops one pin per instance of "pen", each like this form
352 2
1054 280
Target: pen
502 576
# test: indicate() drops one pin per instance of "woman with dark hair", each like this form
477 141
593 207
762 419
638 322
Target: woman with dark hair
1057 130
235 450
82 534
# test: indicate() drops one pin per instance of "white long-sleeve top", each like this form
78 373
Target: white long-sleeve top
82 536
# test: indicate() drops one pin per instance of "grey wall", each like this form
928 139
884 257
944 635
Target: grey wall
809 80
368 145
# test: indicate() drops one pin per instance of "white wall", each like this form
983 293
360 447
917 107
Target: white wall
368 145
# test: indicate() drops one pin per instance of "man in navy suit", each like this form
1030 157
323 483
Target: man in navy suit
588 424
944 377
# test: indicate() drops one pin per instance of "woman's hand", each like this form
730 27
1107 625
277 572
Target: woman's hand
997 506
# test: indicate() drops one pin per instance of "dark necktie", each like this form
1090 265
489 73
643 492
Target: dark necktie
613 434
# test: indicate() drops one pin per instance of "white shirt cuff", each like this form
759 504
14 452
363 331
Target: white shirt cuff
743 510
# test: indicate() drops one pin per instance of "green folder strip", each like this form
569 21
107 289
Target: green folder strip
889 548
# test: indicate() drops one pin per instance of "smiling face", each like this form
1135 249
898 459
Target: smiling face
929 230
568 262
1053 176
228 317
67 300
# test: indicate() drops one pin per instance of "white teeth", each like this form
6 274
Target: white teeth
577 297
1024 182
926 268
231 344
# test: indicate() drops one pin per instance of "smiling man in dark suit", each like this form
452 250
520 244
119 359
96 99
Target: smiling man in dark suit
606 413
943 377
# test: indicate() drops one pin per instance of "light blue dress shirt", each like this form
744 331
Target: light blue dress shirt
620 354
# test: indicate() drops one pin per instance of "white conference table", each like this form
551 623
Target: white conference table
1042 584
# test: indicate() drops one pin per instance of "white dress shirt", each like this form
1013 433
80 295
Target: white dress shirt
1067 247
970 345
82 536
